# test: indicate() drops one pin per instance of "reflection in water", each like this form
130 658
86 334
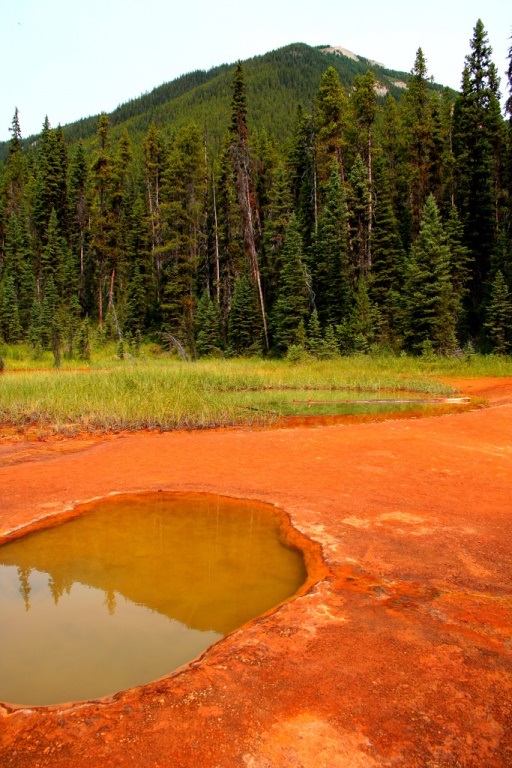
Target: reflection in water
132 590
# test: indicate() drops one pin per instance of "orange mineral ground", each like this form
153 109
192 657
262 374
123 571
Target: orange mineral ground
400 653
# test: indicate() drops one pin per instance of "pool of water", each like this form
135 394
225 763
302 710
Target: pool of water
132 589
310 407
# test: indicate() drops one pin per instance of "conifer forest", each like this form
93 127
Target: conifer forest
362 222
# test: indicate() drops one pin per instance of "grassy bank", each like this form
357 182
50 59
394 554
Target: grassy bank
153 391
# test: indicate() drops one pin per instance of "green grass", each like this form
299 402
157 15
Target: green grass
158 391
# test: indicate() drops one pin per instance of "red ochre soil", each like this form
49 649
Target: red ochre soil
399 655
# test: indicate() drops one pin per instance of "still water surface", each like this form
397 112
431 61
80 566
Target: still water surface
132 590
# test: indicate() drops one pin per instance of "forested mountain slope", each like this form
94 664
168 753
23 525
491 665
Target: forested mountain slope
285 206
276 82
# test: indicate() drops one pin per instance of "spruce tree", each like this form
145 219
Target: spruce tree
15 172
417 118
498 323
9 312
303 176
244 324
276 223
331 118
79 208
155 160
359 208
291 307
388 262
208 335
314 342
51 182
477 131
364 321
244 185
141 292
429 302
19 264
183 195
329 263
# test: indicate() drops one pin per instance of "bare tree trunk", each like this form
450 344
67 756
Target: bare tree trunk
100 304
370 204
216 231
250 240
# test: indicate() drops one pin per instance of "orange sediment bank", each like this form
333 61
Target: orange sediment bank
398 653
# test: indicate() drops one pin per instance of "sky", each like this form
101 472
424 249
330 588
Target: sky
69 59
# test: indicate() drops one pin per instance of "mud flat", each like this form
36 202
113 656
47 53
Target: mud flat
400 652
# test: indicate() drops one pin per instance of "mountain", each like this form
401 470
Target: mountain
276 83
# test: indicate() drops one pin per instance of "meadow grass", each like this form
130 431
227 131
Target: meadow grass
158 391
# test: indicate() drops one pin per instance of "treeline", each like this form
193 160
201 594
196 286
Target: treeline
375 226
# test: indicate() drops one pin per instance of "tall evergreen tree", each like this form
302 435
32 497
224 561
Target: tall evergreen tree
208 330
78 207
417 116
364 99
332 273
429 302
359 207
155 156
331 120
240 158
498 323
244 325
291 307
15 173
388 264
51 181
303 175
477 128
181 210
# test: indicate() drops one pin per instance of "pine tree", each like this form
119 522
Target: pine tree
291 307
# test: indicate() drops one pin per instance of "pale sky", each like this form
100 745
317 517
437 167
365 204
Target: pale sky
69 60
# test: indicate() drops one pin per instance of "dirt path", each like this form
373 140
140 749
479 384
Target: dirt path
399 657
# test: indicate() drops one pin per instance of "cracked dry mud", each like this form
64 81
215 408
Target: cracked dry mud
399 654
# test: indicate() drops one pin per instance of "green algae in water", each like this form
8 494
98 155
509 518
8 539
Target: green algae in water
133 589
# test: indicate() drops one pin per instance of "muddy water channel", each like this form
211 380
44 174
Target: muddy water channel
133 588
